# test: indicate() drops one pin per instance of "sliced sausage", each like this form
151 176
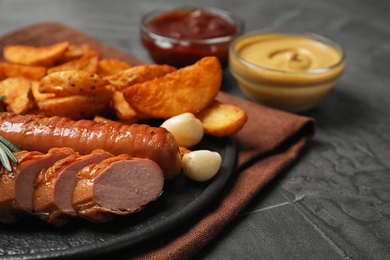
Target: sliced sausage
54 187
27 172
8 214
117 186
33 132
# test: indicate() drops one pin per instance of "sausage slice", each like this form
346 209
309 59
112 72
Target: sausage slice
117 186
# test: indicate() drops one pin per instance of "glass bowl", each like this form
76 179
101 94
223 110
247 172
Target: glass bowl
292 71
181 36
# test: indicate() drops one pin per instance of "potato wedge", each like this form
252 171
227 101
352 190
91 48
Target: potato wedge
8 70
108 67
139 74
38 96
87 62
75 51
70 65
189 89
220 119
17 91
78 106
36 56
72 82
122 109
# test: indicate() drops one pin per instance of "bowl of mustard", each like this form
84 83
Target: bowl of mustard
286 70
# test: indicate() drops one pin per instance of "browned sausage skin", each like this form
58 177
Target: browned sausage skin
8 213
38 133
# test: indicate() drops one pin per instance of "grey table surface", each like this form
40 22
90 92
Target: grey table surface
334 202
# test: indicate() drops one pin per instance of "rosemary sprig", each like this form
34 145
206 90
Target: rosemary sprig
6 153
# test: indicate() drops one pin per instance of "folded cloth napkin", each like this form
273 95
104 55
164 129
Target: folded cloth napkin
269 142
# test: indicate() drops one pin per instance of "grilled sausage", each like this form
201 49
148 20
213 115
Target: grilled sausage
38 133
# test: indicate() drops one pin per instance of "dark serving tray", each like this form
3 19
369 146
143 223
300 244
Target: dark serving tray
182 198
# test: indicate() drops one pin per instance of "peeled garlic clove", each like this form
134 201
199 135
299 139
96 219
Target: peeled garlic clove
201 165
186 128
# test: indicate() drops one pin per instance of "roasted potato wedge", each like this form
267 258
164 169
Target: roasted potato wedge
75 51
70 65
122 109
108 67
139 74
88 62
8 70
72 82
45 56
78 106
220 119
17 91
189 89
38 96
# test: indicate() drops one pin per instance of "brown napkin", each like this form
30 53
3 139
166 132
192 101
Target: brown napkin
270 141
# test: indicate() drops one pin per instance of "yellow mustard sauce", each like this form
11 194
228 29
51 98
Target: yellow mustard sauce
290 53
291 72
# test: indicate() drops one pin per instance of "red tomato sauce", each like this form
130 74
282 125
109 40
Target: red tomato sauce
194 28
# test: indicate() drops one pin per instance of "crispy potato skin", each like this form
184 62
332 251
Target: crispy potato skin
108 67
189 89
139 74
45 56
72 82
8 70
17 91
76 106
87 62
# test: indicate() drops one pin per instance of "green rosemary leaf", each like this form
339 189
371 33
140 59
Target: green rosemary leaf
4 158
10 145
9 153
6 153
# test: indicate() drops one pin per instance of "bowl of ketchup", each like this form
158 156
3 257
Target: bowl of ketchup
183 35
